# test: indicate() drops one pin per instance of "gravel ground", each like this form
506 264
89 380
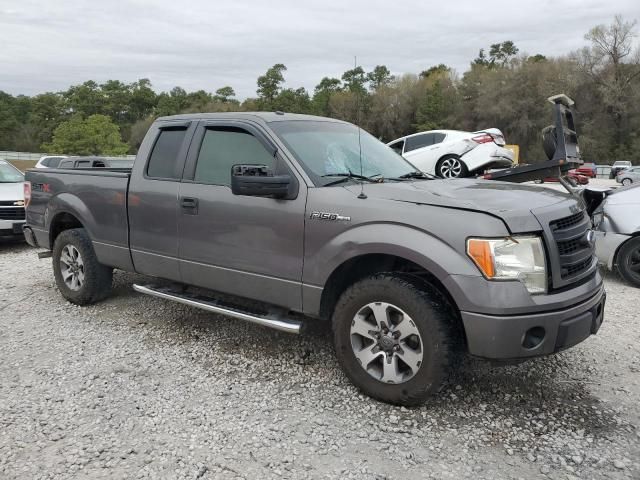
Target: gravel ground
137 387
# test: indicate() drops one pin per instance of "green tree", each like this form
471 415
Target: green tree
437 106
143 99
379 77
500 54
225 95
270 85
538 57
85 99
95 135
293 101
355 80
172 103
322 94
436 69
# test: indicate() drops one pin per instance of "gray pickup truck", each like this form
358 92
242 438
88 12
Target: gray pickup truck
280 219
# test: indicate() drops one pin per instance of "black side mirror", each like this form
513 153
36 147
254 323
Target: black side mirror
259 181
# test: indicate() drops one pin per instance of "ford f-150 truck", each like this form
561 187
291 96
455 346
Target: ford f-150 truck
281 219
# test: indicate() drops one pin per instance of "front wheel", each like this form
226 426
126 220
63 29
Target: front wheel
451 166
393 338
627 181
628 261
79 276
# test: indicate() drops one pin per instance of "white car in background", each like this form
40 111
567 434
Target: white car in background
453 153
50 161
12 213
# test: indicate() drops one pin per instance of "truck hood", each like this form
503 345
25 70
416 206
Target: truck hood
11 191
511 202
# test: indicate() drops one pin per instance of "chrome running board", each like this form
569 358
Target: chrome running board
270 320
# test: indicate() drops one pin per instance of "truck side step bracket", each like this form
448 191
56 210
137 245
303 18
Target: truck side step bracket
273 320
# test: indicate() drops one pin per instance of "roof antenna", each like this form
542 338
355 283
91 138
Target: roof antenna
362 194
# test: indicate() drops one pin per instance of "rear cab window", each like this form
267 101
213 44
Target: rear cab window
163 162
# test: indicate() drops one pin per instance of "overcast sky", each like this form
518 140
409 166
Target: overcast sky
49 45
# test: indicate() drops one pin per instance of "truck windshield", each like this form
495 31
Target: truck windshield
325 149
9 174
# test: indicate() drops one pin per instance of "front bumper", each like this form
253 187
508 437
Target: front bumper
515 337
11 227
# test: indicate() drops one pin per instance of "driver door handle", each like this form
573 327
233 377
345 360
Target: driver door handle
190 204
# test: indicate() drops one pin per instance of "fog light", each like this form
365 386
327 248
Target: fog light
533 338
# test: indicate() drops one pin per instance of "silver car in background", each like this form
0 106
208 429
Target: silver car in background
628 176
617 222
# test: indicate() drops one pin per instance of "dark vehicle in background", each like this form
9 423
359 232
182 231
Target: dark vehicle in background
619 166
282 219
94 162
12 212
616 219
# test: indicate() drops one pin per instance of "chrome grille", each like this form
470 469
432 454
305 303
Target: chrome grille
567 221
12 213
575 250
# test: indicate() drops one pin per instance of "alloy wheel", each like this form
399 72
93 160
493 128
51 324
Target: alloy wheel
386 342
633 262
72 267
450 168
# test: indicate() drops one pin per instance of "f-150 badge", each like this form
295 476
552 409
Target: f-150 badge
329 216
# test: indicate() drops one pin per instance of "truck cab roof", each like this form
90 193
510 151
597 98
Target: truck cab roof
266 117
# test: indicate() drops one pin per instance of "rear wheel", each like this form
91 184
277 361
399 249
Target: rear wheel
628 261
393 338
79 276
451 166
626 181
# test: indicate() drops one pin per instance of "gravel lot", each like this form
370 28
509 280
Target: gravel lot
136 387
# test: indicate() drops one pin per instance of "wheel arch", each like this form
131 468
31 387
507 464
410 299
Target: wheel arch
368 264
62 221
451 155
67 211
614 261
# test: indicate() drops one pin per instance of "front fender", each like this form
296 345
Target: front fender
412 244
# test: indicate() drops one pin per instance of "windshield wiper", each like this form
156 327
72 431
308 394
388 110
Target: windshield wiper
416 174
347 176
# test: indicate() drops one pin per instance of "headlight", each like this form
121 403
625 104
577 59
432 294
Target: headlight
511 258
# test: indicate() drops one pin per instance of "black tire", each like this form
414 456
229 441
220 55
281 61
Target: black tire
97 278
441 170
626 181
431 315
549 141
628 261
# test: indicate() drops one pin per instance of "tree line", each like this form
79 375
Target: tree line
502 88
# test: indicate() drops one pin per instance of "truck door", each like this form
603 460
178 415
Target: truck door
242 245
153 199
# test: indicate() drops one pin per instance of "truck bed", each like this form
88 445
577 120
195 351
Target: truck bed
96 195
